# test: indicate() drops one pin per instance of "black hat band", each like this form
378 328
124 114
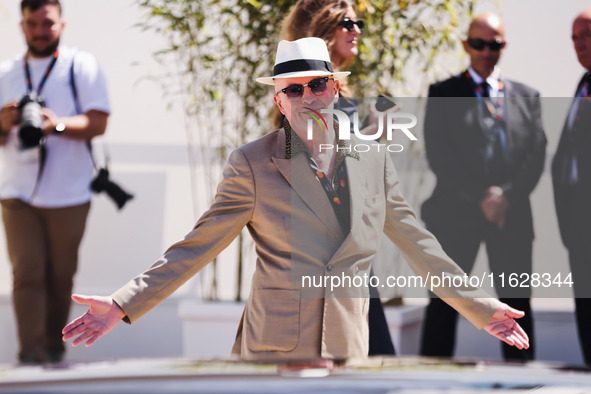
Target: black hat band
302 65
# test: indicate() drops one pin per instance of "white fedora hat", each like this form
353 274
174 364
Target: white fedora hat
306 57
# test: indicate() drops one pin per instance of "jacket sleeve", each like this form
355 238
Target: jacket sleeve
215 230
426 257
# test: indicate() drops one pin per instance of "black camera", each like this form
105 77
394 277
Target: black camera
102 183
30 132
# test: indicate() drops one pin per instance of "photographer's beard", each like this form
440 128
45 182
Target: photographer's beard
42 47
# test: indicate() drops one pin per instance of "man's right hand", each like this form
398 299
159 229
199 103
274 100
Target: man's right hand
101 317
503 326
9 116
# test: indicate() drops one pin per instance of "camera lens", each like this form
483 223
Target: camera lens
30 132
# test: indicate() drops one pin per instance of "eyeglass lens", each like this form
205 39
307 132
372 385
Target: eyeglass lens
349 24
317 86
479 44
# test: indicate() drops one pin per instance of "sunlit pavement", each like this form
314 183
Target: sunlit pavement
375 375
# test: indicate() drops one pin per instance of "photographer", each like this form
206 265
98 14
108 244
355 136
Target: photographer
53 100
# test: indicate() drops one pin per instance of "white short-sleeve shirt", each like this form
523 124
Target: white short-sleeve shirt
68 169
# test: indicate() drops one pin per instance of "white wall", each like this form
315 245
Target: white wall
147 142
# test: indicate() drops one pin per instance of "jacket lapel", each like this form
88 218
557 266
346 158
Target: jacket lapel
355 177
471 124
465 87
510 106
304 184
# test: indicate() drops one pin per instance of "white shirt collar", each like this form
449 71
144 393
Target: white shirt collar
492 80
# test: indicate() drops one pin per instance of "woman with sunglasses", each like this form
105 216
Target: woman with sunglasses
332 20
336 23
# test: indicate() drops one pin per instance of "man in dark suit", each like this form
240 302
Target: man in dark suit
486 145
571 175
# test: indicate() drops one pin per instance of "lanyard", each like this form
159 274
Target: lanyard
494 133
584 91
494 107
47 72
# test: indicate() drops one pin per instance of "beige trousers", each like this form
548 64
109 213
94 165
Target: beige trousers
43 250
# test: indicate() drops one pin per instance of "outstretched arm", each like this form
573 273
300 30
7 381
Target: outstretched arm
101 317
426 258
503 326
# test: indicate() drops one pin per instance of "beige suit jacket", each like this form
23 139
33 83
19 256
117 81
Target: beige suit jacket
296 232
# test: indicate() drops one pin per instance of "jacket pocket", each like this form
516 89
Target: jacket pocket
273 320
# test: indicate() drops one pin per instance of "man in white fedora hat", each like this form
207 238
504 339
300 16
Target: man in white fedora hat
312 212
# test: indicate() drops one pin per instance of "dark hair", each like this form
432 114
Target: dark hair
317 18
34 5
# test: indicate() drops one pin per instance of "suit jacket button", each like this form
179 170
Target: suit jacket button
329 268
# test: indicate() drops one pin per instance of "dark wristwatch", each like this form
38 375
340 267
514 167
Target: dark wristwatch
59 128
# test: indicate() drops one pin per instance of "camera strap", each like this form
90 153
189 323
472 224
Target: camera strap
42 147
101 181
79 109
45 75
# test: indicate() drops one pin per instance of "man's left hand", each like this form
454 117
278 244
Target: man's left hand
503 326
50 120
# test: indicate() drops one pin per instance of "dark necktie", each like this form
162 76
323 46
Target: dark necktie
484 86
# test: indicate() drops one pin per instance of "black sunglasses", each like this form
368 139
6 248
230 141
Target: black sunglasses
479 44
349 24
317 86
